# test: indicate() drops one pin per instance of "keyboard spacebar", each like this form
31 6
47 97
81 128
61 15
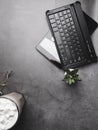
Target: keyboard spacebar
58 38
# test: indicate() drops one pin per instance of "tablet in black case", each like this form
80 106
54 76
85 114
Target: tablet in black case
71 36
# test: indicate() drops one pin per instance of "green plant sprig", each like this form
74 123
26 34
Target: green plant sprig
71 76
4 79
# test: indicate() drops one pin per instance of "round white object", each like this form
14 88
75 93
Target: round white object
8 113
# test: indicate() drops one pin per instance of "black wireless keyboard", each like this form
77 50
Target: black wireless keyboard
71 36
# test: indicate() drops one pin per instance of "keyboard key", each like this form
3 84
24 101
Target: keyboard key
61 30
69 15
75 34
62 34
70 61
70 44
51 16
62 18
71 47
56 16
59 26
66 16
71 34
78 43
73 40
71 22
67 20
72 37
67 51
70 19
61 47
65 12
77 38
60 14
73 27
75 60
65 42
68 39
58 38
67 35
68 24
55 29
52 20
68 10
73 55
63 38
63 22
54 25
65 30
74 30
58 22
64 26
69 28
79 58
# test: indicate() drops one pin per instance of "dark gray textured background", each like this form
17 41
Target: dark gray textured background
50 104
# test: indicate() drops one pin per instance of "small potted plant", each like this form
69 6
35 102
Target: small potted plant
71 76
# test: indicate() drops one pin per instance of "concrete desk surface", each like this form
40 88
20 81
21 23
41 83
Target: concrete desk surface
50 103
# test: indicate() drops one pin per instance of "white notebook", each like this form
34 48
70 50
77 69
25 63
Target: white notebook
47 48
